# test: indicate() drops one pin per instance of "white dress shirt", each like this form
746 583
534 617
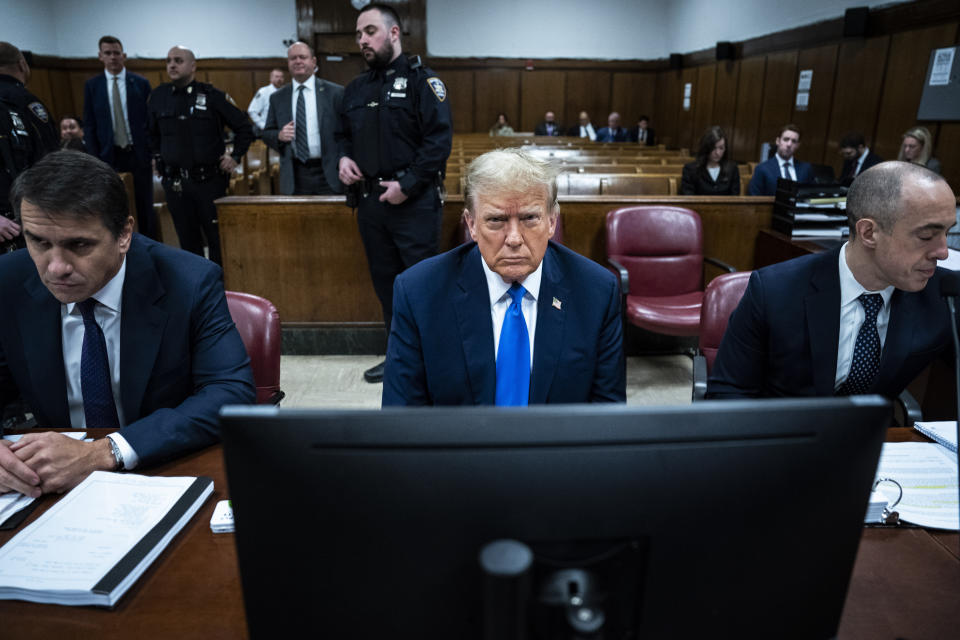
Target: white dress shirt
107 315
313 121
260 106
852 316
122 88
791 170
863 156
500 300
588 132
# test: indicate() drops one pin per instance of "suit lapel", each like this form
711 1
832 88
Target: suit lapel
141 328
40 326
472 307
823 323
899 338
549 336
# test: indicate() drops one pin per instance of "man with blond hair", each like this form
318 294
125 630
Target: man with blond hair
512 319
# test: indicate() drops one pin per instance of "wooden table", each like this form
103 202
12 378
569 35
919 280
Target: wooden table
905 584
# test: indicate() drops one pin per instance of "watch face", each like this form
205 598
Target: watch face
359 4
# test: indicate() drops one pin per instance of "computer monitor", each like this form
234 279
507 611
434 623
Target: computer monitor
734 518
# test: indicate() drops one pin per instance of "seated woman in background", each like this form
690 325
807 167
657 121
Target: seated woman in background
917 147
501 127
711 174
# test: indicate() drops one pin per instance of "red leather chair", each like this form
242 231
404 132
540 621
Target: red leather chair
556 237
658 252
258 322
719 300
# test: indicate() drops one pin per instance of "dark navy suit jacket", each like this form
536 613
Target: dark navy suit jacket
181 357
765 176
606 134
782 339
98 118
441 340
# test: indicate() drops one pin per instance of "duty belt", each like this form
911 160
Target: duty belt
197 174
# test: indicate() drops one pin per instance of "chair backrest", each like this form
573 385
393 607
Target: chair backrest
661 247
637 185
258 322
719 300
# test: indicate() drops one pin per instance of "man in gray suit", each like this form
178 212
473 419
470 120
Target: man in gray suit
300 125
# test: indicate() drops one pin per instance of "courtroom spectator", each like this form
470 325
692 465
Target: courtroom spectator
115 126
501 127
781 165
260 103
106 328
513 319
301 123
549 126
584 128
917 147
857 157
71 134
643 133
712 173
613 132
866 317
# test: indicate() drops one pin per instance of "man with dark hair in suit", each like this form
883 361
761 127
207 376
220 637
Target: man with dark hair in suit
781 165
107 328
512 319
115 125
865 318
549 126
857 157
643 133
300 125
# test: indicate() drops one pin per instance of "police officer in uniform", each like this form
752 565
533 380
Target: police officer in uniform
185 120
395 140
27 133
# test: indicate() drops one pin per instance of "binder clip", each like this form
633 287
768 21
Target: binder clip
889 516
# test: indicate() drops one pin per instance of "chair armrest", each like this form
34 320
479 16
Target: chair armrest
719 263
699 377
624 276
910 408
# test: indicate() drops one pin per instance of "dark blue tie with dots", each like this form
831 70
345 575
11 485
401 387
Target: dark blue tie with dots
513 355
99 408
866 351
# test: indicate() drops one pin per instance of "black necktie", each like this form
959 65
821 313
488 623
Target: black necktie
866 351
302 146
99 408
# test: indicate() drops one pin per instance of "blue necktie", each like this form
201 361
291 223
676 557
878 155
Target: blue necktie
300 126
513 355
99 408
866 351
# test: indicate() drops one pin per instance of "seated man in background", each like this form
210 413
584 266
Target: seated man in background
513 319
549 126
71 134
781 165
584 129
864 318
644 134
613 132
857 157
106 328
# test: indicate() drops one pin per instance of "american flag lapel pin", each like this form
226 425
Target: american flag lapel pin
556 304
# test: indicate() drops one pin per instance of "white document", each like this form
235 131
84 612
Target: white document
943 432
76 435
806 80
942 65
928 474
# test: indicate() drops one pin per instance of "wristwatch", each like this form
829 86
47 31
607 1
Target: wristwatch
117 456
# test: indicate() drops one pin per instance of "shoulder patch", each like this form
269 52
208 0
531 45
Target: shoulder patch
40 111
436 85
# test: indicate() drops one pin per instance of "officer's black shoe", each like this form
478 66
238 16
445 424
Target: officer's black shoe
374 374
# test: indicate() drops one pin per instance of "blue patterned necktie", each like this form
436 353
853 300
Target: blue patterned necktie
866 351
99 408
302 146
513 354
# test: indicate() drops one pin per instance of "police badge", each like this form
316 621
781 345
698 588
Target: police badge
437 87
201 102
399 84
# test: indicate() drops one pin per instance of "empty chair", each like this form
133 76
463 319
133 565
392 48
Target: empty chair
258 322
719 300
658 252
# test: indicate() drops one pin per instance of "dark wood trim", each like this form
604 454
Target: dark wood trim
158 64
547 65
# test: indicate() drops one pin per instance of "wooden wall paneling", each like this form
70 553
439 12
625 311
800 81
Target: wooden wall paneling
495 91
856 95
460 95
903 85
238 84
633 95
725 101
39 86
320 17
779 91
703 102
746 141
541 91
77 79
340 71
589 91
157 78
668 107
685 133
815 121
947 150
62 97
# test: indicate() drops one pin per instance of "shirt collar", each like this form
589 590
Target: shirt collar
497 288
122 75
863 156
783 161
850 289
310 83
111 295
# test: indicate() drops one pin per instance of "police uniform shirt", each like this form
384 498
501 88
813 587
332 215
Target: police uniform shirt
260 105
310 104
27 129
397 121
